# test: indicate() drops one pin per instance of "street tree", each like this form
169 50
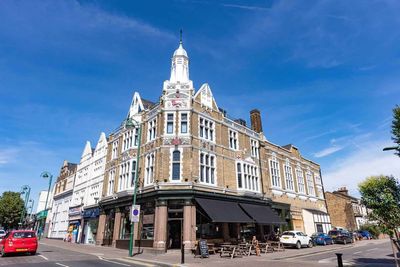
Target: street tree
381 194
11 206
396 129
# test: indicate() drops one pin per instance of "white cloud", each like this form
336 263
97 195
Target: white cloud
7 155
367 160
327 151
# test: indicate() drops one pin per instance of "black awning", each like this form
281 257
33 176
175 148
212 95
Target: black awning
223 211
262 214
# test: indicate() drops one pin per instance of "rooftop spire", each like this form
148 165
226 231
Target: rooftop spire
180 39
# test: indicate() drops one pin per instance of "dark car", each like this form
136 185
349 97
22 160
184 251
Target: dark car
321 239
341 236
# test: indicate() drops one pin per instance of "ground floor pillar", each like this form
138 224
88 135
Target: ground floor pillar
117 226
225 231
160 225
100 228
189 225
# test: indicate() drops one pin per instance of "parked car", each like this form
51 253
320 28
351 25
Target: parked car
19 241
341 236
365 234
296 239
321 239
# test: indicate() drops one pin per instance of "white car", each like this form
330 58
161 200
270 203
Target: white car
296 239
2 234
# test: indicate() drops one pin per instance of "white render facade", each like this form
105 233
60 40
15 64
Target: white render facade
89 185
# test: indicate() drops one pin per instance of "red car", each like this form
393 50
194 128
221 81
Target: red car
19 241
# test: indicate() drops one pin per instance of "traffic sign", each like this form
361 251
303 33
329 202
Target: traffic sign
135 213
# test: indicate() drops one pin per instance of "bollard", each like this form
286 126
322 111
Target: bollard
182 253
339 259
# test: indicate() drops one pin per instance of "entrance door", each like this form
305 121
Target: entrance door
174 234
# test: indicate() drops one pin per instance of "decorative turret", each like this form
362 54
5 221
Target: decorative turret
180 65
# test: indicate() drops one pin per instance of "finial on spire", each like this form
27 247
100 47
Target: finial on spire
180 39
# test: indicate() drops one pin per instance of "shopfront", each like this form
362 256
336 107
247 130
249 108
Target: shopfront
74 225
90 224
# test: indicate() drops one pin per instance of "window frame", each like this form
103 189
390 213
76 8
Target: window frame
288 172
275 176
206 129
233 139
207 170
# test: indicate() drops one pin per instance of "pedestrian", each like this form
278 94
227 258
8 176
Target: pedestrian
256 245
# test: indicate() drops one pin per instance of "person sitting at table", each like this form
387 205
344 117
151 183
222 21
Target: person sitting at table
256 246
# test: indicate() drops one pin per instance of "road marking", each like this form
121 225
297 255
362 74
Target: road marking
358 252
63 265
327 260
43 257
371 249
115 262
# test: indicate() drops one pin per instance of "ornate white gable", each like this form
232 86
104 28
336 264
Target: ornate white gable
87 152
206 96
136 105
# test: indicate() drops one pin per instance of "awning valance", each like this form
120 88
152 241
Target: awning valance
223 211
262 214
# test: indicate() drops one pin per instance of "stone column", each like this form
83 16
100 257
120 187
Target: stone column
189 225
160 225
117 226
100 228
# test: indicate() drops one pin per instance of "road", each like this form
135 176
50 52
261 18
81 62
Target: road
367 253
52 256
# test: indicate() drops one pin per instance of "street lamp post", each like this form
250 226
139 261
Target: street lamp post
46 175
26 190
133 123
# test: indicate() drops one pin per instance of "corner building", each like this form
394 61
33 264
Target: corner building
202 174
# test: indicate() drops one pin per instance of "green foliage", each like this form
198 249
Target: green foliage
374 229
381 194
396 128
11 206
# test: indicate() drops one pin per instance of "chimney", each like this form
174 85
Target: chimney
255 118
343 190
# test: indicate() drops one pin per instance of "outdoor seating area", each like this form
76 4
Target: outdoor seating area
240 249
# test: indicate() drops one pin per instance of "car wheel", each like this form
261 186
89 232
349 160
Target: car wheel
344 242
310 244
3 254
324 243
298 245
33 253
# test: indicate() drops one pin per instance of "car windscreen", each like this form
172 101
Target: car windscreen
333 233
288 233
24 235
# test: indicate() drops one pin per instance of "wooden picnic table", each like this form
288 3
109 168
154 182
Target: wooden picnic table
276 245
231 251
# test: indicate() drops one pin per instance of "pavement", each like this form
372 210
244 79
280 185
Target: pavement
366 253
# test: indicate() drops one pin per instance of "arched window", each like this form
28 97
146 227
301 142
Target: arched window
176 165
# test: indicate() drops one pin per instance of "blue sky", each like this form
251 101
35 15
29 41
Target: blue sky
325 75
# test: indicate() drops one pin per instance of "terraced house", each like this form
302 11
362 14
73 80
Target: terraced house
202 174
